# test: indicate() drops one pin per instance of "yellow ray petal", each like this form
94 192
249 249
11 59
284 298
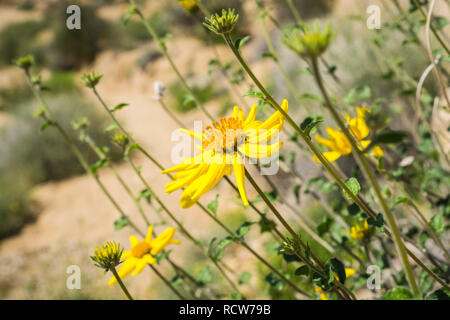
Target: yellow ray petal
251 115
195 135
148 237
239 173
134 241
140 265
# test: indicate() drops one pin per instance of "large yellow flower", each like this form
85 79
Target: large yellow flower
142 252
224 146
338 142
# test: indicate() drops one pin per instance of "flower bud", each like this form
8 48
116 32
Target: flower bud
223 24
91 79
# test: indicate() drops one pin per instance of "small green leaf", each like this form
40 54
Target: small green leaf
243 229
213 205
389 137
119 107
241 41
400 199
99 164
302 271
111 127
398 293
378 223
45 125
245 277
354 187
144 194
338 267
120 223
255 94
205 276
131 148
310 123
132 10
437 222
268 55
310 96
220 248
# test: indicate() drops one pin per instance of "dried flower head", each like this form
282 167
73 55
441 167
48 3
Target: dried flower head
159 89
308 41
223 24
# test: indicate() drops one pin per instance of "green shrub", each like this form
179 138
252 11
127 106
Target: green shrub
19 39
30 157
183 102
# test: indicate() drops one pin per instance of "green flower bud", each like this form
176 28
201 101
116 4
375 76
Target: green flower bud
25 62
107 256
309 42
223 24
91 79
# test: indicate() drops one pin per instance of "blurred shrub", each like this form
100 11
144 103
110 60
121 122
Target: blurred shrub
29 157
183 102
18 39
70 49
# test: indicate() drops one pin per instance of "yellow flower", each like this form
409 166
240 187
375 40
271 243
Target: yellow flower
358 232
338 142
322 295
225 145
142 252
187 4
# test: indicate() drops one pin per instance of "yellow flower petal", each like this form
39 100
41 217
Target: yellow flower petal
239 173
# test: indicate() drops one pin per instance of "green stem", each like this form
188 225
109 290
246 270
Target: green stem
119 281
371 177
357 199
167 282
436 34
165 53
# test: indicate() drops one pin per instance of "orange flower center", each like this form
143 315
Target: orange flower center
139 250
224 135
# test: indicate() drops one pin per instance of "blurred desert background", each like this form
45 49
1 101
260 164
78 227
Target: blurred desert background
51 214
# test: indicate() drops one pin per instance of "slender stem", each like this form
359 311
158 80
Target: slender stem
436 34
370 175
120 282
170 113
167 282
357 199
164 51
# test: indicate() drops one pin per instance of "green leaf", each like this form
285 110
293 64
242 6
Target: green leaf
365 93
350 97
354 187
378 223
241 41
310 96
255 94
425 282
437 222
111 127
213 205
296 190
339 268
245 277
440 294
45 125
220 248
144 194
211 65
353 209
310 123
400 199
389 137
121 223
243 229
268 55
274 281
163 255
205 276
131 148
119 107
302 271
99 164
236 295
324 226
132 10
188 100
398 293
